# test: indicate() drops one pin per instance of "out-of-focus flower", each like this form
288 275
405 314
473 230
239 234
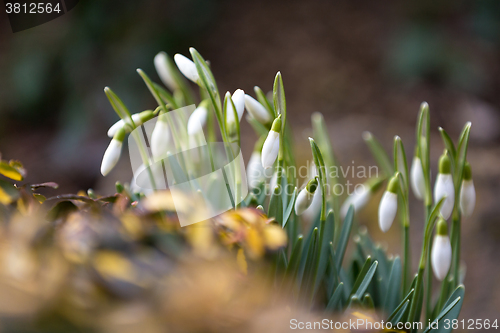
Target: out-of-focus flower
113 152
417 180
467 192
257 110
251 230
305 197
359 198
388 205
197 120
255 171
187 68
271 146
161 62
444 186
238 99
441 251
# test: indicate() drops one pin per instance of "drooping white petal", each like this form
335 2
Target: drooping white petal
270 149
136 117
467 197
387 210
417 180
164 72
160 139
197 120
444 188
187 67
111 156
304 200
257 110
315 207
359 198
441 256
255 171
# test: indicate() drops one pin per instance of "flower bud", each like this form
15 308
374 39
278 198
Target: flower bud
417 180
467 192
112 153
255 171
441 251
187 67
271 146
160 138
257 110
161 62
444 186
238 99
388 205
359 198
197 120
305 197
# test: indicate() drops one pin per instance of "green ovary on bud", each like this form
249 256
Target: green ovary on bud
305 197
441 251
444 163
467 192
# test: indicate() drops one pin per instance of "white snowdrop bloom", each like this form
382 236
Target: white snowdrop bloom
441 251
417 180
257 110
160 138
305 197
161 62
187 67
138 118
314 209
197 120
271 146
255 171
388 205
238 99
467 192
444 186
359 198
274 180
113 152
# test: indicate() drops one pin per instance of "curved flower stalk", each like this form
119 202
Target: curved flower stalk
187 68
256 110
198 119
359 198
113 152
305 197
270 149
417 179
161 63
441 251
388 205
467 192
137 118
444 186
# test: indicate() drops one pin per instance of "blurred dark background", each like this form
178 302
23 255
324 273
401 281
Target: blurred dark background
366 65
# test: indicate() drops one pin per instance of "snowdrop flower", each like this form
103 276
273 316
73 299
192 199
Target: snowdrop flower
271 146
417 180
112 153
238 99
305 197
138 118
255 171
160 137
197 120
187 67
441 251
164 71
467 192
257 110
444 186
360 197
388 205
